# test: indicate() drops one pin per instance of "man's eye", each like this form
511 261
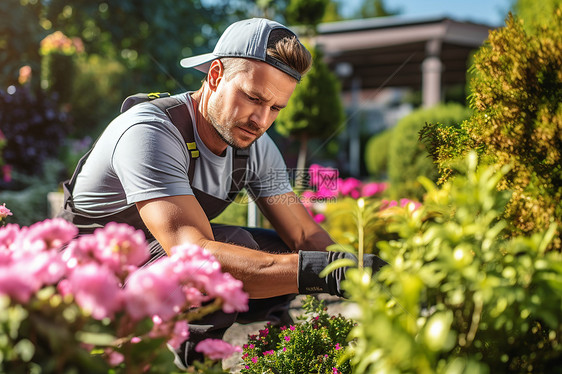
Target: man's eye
253 99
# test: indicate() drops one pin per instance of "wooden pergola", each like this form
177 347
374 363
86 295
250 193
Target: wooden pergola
424 54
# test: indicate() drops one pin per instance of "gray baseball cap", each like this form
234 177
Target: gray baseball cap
247 39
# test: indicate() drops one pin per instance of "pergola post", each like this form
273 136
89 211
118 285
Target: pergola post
432 68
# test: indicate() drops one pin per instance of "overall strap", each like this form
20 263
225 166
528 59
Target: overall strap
239 166
179 115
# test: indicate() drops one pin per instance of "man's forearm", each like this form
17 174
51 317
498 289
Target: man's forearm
263 274
316 240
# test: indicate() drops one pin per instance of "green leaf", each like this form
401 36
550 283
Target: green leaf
341 248
101 339
343 262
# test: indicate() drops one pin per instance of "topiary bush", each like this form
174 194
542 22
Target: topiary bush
376 154
34 129
517 98
407 156
457 295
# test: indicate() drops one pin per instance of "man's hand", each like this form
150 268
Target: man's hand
312 263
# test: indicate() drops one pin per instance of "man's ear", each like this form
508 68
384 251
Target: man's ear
215 74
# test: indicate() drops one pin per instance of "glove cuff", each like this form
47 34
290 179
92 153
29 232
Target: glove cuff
311 263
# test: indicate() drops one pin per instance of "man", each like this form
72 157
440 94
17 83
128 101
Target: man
142 172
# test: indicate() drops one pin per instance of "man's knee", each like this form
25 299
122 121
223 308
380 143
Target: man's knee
234 235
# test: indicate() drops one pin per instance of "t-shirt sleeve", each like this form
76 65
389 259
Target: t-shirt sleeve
151 161
267 174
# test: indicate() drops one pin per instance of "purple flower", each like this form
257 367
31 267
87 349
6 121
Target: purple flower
217 349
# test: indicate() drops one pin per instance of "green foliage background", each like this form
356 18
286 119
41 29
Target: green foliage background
376 154
517 98
407 157
457 295
315 109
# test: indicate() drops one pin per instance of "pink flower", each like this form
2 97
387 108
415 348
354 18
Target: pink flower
287 338
4 212
179 335
154 290
405 202
26 273
373 188
348 185
81 251
97 290
196 267
8 236
335 371
292 328
325 192
7 173
319 218
338 347
121 245
46 235
385 204
217 349
17 283
255 359
113 358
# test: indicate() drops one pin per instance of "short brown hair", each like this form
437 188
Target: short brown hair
283 46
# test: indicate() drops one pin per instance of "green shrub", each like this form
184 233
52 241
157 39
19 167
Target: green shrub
517 91
457 295
314 345
376 154
98 94
407 156
29 204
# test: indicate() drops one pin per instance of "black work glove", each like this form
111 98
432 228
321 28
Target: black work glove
311 263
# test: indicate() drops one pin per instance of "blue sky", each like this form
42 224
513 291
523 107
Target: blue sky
491 12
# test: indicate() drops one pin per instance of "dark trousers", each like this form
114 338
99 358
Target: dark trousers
214 325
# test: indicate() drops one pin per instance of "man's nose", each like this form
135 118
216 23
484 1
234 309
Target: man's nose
261 117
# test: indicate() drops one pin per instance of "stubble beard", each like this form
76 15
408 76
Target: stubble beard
224 131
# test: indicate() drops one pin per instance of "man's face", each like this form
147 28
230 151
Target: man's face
244 106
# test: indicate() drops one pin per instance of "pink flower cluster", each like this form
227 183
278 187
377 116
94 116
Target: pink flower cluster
58 42
327 185
385 204
4 212
102 273
216 349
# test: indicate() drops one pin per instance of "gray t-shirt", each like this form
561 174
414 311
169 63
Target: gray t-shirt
141 155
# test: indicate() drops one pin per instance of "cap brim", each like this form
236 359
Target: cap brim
201 62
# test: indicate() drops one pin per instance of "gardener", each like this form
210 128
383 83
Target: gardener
170 165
